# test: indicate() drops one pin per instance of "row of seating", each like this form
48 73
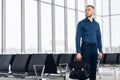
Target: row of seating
113 58
22 65
109 62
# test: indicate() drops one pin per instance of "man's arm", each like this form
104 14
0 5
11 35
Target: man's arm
78 37
99 41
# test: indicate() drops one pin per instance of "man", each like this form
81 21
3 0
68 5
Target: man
88 29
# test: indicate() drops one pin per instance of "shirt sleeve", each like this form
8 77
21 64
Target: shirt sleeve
78 37
99 41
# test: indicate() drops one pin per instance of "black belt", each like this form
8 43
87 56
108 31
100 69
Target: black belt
89 44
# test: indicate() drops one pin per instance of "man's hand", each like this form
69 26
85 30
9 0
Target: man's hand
78 56
100 55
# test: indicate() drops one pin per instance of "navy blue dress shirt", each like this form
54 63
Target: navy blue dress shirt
88 31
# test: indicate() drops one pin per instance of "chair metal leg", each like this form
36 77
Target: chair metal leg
42 73
98 66
66 68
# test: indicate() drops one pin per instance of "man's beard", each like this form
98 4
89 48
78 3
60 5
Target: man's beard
89 15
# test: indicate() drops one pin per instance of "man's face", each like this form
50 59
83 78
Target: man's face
89 11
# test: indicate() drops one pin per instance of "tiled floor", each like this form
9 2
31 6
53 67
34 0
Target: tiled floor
106 74
103 78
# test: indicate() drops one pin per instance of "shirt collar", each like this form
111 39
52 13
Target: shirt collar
89 20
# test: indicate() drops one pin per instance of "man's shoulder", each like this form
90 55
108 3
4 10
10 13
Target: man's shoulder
96 22
82 21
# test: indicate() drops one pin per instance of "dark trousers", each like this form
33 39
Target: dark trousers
90 55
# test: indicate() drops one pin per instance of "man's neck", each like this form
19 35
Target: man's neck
90 18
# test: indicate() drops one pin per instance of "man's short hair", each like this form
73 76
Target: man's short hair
90 6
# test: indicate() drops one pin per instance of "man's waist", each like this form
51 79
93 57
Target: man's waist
89 43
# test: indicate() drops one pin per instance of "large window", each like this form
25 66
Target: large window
59 2
115 25
71 3
106 37
106 26
71 30
81 5
115 31
13 26
98 8
47 1
105 7
89 2
115 6
59 29
0 27
30 26
46 29
81 16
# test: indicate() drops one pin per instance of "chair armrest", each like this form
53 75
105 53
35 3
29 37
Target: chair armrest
66 67
35 70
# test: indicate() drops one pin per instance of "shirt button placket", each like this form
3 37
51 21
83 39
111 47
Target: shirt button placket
91 32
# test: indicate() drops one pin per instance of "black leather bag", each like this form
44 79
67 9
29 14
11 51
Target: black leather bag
79 70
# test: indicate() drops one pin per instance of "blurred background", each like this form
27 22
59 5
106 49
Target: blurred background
49 26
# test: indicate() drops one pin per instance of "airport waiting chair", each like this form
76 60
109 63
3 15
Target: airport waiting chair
50 65
19 65
56 58
61 62
64 60
36 65
118 60
111 59
5 61
110 63
100 64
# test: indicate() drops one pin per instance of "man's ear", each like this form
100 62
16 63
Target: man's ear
93 12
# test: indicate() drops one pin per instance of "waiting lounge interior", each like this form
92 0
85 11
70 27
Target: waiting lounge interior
37 38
